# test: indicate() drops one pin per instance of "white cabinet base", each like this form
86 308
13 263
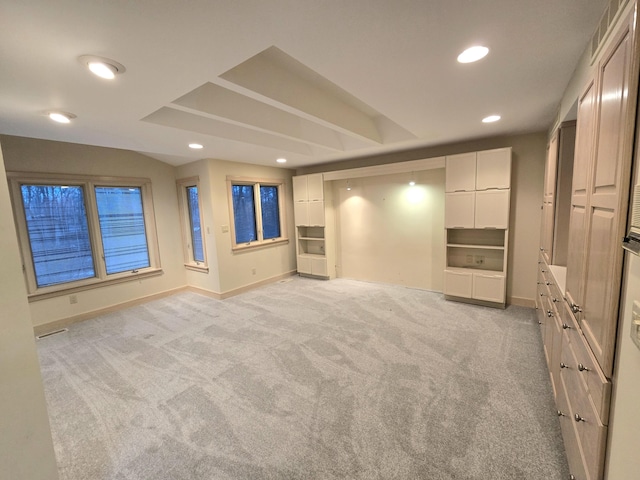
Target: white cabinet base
481 287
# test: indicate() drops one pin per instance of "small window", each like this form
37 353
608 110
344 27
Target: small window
192 225
124 238
257 210
57 226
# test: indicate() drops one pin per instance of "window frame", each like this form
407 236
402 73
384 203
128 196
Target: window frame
256 183
88 184
185 223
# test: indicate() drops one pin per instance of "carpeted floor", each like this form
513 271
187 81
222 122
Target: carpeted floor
303 379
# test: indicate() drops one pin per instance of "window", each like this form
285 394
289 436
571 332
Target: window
76 232
192 225
257 210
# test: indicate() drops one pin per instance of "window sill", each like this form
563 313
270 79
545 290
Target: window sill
196 268
255 245
121 278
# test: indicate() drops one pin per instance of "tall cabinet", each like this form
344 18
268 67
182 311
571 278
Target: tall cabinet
313 217
580 261
478 187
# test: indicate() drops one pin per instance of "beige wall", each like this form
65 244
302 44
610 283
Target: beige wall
390 232
529 152
26 154
26 449
236 268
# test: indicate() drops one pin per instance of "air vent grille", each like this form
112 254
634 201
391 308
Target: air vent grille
635 212
604 27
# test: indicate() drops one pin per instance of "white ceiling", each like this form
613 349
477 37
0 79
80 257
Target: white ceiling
310 80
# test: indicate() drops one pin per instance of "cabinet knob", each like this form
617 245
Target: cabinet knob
548 283
543 271
542 249
554 300
541 294
582 368
578 418
565 326
575 308
563 365
560 414
549 314
572 477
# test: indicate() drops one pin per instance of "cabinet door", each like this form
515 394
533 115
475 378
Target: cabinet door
316 214
460 172
551 169
488 287
315 187
300 188
319 266
301 213
546 246
492 209
607 208
304 265
458 283
493 169
577 217
459 210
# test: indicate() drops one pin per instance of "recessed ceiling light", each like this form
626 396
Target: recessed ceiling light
473 54
102 67
195 146
491 119
281 160
61 117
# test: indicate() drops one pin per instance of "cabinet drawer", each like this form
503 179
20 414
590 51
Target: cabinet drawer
488 287
458 284
572 446
590 431
589 371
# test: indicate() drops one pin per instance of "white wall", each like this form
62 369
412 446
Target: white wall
31 155
529 152
390 232
26 449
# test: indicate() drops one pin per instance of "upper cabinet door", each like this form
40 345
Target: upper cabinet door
459 208
315 187
300 189
460 172
493 169
492 209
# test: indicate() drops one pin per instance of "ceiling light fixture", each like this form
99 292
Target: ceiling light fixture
195 146
412 181
61 117
102 67
281 160
491 119
348 186
473 54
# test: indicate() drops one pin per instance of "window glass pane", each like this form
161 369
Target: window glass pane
58 233
244 213
270 212
194 223
124 238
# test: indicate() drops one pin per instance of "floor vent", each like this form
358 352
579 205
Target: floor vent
609 17
45 335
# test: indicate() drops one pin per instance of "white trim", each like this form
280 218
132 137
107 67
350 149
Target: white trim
387 169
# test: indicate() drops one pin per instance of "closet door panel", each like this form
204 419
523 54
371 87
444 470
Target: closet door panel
607 209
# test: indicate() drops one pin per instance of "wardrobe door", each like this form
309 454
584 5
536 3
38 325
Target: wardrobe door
607 209
577 221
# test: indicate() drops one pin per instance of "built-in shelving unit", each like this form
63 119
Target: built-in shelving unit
311 209
477 226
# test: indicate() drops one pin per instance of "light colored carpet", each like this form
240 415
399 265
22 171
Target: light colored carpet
303 379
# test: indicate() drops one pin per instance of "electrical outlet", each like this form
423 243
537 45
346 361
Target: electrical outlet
479 259
73 299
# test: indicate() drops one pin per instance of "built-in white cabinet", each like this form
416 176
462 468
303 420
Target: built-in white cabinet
477 203
314 248
308 198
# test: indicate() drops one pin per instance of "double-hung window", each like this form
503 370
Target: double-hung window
77 232
257 210
192 225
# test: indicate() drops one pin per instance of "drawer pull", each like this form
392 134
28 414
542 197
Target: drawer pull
554 300
578 418
563 365
565 326
543 271
572 477
582 368
560 414
549 314
575 308
542 294
548 283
